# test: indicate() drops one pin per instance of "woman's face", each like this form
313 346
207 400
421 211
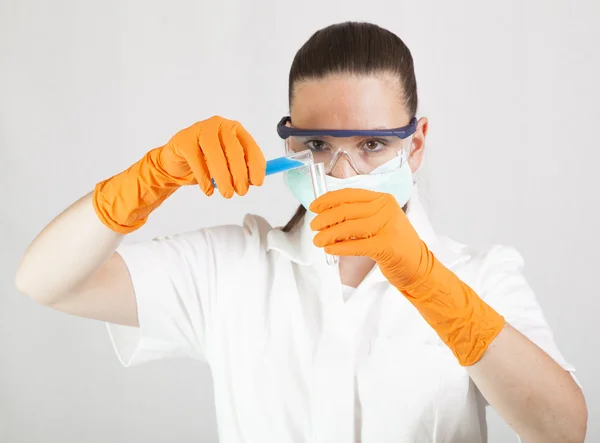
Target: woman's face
345 101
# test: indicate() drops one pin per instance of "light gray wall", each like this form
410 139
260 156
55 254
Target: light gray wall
86 88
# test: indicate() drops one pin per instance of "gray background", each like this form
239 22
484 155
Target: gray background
86 88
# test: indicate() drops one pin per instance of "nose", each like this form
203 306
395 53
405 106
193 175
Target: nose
341 166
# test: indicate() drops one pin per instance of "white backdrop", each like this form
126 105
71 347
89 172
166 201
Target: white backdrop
86 88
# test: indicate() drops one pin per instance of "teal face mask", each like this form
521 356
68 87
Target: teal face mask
389 178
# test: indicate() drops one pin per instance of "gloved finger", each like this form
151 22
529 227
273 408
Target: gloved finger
362 247
235 157
336 198
216 160
197 163
255 160
348 230
344 212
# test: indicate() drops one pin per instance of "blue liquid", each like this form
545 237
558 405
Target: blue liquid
278 165
282 164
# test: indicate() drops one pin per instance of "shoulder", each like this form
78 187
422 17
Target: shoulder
484 260
245 241
496 275
485 268
254 229
222 244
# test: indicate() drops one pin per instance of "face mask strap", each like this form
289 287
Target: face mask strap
406 151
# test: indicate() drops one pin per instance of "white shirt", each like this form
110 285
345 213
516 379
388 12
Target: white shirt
292 361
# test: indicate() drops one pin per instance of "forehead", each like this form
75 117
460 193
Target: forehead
345 101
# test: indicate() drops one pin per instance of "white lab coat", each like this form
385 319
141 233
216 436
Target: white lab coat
291 360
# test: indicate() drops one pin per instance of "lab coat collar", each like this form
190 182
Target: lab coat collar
298 245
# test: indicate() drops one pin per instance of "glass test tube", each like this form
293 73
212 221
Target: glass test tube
305 157
317 175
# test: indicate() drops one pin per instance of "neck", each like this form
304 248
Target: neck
353 270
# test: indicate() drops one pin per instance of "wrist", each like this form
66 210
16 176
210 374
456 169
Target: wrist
167 168
462 319
124 201
422 261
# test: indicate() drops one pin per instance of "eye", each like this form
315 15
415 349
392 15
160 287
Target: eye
316 145
373 145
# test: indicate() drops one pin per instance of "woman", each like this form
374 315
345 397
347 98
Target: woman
407 340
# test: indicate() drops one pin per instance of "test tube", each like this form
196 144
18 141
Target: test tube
290 161
317 175
305 157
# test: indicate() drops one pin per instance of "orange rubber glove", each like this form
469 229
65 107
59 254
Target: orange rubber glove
372 224
216 148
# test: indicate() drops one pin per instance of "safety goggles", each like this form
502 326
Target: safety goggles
365 150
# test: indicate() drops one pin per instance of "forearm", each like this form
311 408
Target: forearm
539 399
530 391
66 253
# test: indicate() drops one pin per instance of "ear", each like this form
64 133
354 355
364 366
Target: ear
418 144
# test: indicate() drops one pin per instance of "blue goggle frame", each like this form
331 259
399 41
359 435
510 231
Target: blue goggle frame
285 131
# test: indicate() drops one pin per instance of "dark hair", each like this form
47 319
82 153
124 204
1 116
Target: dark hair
353 48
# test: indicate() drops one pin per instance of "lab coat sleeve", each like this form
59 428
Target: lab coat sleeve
503 286
178 281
